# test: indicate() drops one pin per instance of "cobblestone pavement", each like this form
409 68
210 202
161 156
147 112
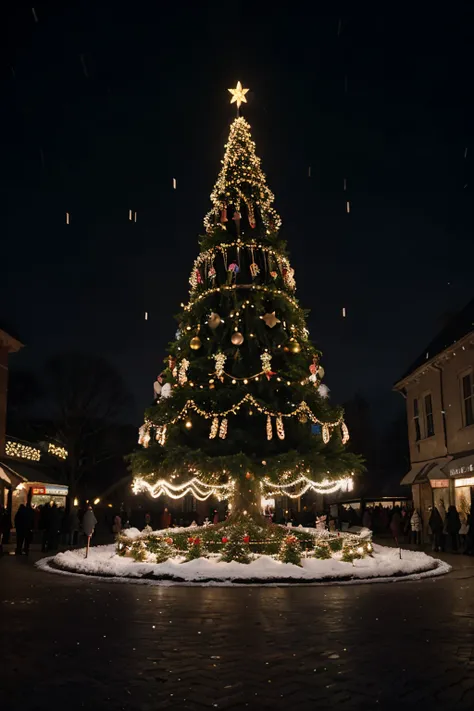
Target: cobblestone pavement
70 643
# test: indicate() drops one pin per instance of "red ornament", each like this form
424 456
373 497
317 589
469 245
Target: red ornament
198 276
224 539
246 539
197 541
190 540
169 541
269 374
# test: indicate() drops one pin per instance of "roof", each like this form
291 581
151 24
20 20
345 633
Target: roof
29 471
10 341
459 326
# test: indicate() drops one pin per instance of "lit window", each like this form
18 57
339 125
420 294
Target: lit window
416 420
429 416
468 396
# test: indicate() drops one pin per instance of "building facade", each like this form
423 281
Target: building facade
439 394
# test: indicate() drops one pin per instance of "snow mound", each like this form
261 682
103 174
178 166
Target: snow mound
385 565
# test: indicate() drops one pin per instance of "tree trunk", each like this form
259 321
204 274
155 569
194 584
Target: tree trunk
246 500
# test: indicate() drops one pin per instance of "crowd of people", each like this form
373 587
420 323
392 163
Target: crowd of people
55 524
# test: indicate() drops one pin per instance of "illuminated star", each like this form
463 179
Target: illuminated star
238 95
270 319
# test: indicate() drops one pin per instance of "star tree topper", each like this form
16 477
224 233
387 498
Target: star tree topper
238 95
270 319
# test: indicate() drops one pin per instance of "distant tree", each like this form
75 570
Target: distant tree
87 402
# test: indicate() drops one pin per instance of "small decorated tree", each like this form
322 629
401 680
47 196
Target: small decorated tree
290 551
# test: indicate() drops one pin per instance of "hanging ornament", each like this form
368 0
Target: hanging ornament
171 362
223 429
270 319
198 276
195 343
141 433
251 212
232 271
214 320
183 367
161 434
320 372
303 418
214 428
224 214
273 274
269 427
326 434
279 427
345 433
313 378
220 359
266 359
288 277
237 338
254 270
211 273
237 217
314 366
292 346
323 390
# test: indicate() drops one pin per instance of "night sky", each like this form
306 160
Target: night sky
103 107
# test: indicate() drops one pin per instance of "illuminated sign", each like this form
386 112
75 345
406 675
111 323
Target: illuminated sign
462 470
51 490
439 483
467 481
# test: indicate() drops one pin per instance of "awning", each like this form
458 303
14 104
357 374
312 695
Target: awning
460 466
410 477
424 471
4 476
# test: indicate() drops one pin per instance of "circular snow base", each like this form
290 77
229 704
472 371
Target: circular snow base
385 565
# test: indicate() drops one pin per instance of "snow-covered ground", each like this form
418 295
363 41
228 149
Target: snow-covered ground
384 565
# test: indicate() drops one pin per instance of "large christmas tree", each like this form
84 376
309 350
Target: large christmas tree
246 415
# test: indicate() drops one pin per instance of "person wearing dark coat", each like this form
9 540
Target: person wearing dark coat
54 527
436 525
5 526
453 524
44 525
24 528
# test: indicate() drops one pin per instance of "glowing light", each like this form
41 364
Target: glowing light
194 486
96 501
22 451
238 95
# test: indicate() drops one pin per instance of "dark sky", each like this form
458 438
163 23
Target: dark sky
383 100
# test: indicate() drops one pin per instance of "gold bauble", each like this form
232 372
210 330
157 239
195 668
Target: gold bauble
237 338
195 343
292 346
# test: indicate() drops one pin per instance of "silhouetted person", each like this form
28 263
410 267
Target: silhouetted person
24 528
453 524
396 525
44 526
5 526
436 525
165 519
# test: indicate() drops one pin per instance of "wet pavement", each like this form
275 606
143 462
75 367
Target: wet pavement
71 643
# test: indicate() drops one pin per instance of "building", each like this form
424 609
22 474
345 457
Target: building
439 394
8 344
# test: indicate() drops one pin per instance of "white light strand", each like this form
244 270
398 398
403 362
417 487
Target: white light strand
194 486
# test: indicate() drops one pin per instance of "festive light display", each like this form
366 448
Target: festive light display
241 169
302 407
199 489
228 288
22 451
302 484
238 95
57 451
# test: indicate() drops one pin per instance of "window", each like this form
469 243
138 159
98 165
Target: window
468 397
416 420
429 422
